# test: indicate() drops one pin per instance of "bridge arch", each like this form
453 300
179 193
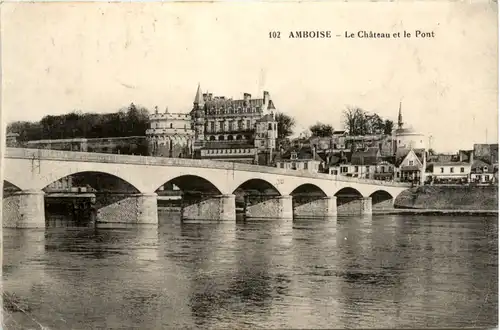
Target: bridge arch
190 183
308 189
382 199
348 192
94 180
258 186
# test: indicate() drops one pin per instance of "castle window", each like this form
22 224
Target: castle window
212 138
270 127
171 125
230 137
451 169
221 137
293 155
462 170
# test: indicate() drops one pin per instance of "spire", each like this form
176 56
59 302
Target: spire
198 99
400 117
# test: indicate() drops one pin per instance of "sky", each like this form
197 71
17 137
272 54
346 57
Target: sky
100 57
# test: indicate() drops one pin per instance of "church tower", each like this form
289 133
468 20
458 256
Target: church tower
400 118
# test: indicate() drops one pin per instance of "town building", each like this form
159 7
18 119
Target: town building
363 164
483 172
448 172
410 167
243 130
486 152
303 158
170 134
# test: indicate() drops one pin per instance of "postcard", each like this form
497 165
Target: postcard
242 165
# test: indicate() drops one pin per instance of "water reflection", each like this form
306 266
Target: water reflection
356 272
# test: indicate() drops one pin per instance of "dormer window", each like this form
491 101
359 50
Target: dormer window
293 155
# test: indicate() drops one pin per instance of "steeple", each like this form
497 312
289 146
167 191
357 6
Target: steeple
198 99
400 117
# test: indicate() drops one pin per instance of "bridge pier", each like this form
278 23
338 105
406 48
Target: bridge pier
208 207
130 209
354 205
271 207
314 207
24 209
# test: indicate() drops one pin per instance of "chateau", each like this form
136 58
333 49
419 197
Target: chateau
217 127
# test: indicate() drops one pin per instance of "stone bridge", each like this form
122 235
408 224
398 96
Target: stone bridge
209 188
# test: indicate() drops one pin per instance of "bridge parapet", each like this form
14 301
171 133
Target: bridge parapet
72 156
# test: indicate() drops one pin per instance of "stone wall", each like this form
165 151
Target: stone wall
353 206
138 208
215 208
449 198
269 207
382 204
315 207
24 210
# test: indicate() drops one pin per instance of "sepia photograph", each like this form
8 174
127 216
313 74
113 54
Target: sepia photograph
246 165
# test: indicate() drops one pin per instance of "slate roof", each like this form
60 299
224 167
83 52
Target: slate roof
370 156
304 153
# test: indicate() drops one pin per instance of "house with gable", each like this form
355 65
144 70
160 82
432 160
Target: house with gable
408 168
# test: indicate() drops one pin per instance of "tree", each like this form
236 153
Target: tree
388 127
375 124
358 122
285 125
321 130
355 121
130 121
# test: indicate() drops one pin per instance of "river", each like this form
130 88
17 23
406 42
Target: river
359 272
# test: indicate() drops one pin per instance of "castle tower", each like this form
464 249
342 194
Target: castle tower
198 116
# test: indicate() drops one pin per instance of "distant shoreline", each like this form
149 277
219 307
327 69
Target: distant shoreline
435 212
395 211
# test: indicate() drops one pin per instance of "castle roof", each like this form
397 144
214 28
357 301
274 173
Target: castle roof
198 99
267 117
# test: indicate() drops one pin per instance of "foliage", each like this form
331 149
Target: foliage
358 122
130 121
388 127
321 130
285 125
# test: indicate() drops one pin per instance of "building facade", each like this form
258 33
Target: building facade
241 130
301 158
170 134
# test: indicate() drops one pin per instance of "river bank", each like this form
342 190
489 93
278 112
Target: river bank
449 198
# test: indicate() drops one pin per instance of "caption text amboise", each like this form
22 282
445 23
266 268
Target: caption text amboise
362 34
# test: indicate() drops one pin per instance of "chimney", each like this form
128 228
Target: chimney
247 96
471 157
